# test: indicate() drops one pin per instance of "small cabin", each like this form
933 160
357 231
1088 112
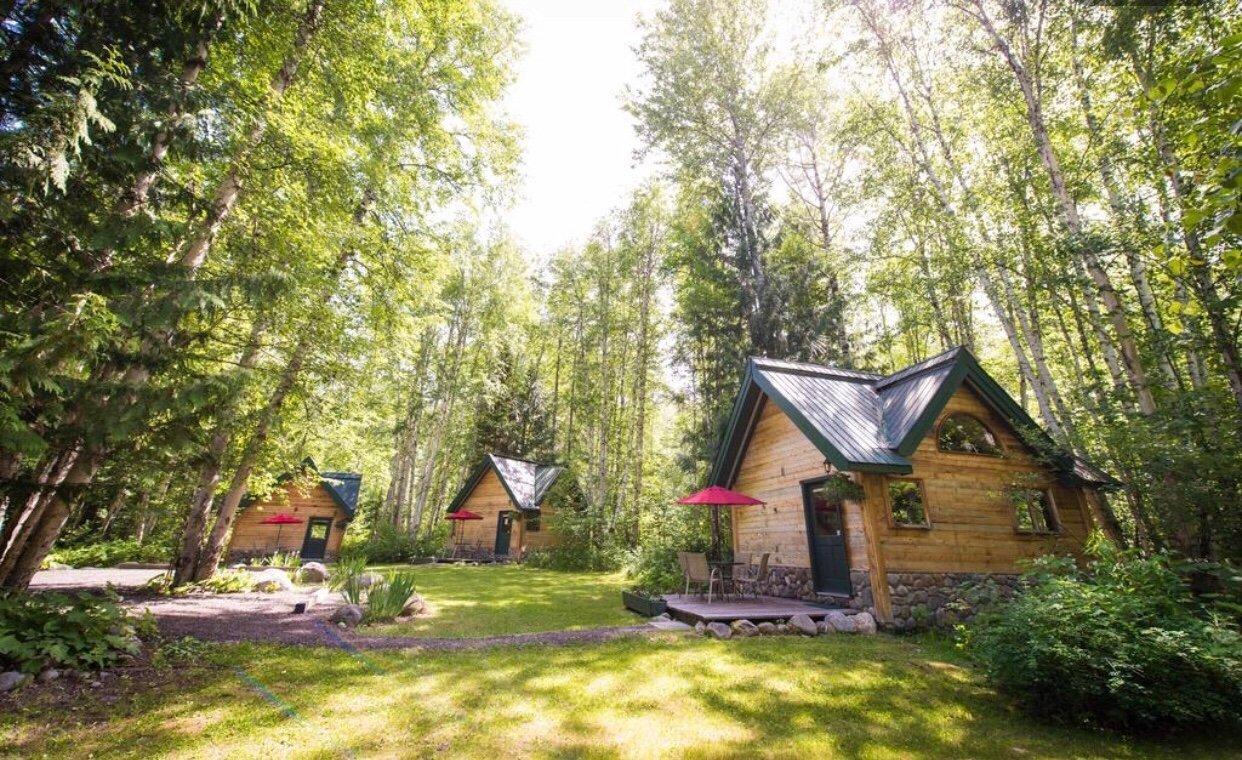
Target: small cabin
506 496
895 493
307 514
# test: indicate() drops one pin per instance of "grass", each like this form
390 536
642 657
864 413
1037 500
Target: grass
851 697
493 600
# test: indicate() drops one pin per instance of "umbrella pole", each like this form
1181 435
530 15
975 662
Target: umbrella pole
716 533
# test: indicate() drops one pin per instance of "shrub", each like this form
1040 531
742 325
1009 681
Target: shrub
386 599
59 630
388 543
1121 643
109 553
227 581
284 560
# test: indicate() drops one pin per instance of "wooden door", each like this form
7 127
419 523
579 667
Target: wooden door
315 545
504 528
825 528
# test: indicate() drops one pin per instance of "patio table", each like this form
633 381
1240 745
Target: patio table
725 568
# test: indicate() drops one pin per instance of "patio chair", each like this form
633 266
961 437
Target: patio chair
694 566
752 574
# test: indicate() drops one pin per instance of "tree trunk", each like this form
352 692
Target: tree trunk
1068 210
209 473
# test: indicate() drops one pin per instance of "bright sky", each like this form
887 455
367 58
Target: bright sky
578 147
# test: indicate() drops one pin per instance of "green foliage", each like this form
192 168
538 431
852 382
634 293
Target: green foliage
386 599
388 544
289 560
667 531
110 553
1121 643
227 581
186 650
59 630
346 574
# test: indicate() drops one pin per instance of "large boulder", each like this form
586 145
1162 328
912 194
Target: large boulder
349 614
313 572
719 630
11 679
864 623
414 605
272 579
700 628
767 628
745 628
803 625
840 622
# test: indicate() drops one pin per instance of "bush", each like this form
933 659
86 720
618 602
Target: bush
653 565
59 630
284 560
387 544
109 553
386 599
1122 643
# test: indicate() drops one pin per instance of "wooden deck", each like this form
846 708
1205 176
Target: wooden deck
693 608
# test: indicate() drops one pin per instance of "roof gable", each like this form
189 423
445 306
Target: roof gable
525 482
342 487
865 422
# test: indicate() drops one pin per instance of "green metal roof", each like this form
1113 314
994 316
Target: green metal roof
871 423
343 487
524 481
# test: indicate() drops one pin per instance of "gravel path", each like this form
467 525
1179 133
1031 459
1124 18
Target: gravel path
270 618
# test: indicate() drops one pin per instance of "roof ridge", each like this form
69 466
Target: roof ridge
919 368
520 459
810 368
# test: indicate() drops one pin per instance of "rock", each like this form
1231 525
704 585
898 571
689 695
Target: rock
840 622
662 616
413 605
864 623
347 615
313 572
51 674
781 628
700 628
272 579
719 630
369 579
11 679
745 628
803 624
767 629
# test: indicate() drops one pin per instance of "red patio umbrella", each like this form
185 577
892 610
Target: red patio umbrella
717 497
461 515
281 519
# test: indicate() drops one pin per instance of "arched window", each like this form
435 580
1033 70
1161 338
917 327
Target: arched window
966 434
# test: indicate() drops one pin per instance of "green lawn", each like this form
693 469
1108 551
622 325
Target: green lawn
491 600
675 696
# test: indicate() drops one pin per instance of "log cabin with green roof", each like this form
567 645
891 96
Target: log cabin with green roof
894 493
508 494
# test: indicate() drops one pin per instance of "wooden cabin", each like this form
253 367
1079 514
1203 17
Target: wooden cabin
895 493
508 494
306 514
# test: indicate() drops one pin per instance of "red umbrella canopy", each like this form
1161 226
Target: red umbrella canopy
715 496
282 518
463 514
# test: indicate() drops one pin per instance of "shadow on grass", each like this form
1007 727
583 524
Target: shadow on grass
669 697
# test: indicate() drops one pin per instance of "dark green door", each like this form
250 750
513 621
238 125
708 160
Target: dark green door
316 542
504 527
825 528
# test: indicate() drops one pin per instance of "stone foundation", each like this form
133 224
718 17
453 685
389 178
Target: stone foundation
938 600
797 583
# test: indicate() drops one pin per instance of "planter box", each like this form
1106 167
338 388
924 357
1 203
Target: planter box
643 605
